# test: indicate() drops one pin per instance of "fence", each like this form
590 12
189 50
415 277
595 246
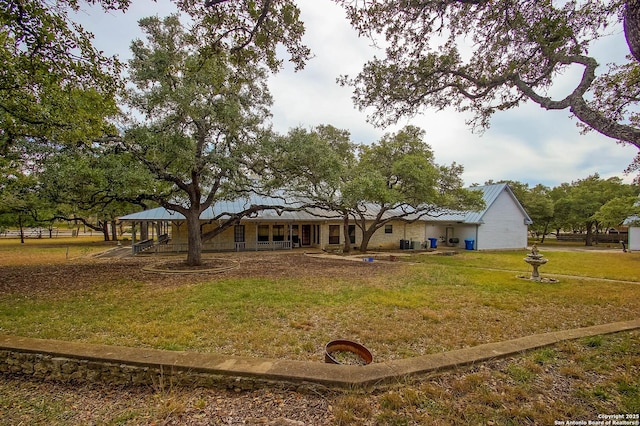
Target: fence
597 238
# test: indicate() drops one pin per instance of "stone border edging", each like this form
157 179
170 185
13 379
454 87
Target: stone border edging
158 268
291 371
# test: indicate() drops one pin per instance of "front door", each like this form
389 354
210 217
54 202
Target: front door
238 237
306 235
448 236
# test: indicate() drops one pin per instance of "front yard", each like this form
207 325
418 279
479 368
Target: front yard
289 305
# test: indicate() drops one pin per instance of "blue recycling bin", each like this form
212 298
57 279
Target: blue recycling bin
468 244
433 242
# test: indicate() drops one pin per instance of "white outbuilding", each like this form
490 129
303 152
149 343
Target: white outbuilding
633 223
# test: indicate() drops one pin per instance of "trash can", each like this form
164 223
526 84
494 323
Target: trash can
468 244
404 244
414 245
433 242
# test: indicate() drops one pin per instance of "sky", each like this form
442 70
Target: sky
525 144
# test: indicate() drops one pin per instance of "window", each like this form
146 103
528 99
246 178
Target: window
334 234
352 234
388 229
278 232
263 232
238 234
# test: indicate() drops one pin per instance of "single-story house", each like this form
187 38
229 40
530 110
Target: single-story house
502 224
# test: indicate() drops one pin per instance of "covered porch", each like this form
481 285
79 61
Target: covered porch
170 236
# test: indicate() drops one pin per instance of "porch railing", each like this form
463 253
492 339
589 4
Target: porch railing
142 246
273 245
172 247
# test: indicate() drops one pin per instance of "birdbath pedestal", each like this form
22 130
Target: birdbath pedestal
535 259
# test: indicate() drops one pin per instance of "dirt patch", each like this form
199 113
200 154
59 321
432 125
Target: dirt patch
88 273
158 405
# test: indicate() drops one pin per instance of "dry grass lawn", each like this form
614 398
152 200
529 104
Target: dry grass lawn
290 304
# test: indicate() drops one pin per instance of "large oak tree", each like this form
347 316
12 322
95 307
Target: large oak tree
316 166
204 110
393 179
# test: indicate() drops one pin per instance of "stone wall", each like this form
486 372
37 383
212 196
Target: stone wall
56 368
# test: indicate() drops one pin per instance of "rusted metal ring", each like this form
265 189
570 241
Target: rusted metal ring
346 346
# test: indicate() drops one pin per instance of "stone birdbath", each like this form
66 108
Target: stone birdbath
535 259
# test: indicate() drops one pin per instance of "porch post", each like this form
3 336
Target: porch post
133 238
257 226
271 242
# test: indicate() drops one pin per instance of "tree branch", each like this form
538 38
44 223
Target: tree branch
579 107
81 219
632 26
263 14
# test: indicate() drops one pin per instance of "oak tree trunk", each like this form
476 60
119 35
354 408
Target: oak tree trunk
588 241
105 230
345 231
21 229
194 233
632 26
366 237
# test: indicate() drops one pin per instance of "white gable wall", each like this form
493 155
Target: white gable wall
503 226
634 238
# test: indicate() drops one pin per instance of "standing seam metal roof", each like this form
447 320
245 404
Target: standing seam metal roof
225 208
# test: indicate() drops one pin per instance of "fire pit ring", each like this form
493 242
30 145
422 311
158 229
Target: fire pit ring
346 352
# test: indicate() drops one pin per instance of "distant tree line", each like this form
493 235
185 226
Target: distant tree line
588 206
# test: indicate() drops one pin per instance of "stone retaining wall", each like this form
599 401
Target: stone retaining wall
46 359
56 368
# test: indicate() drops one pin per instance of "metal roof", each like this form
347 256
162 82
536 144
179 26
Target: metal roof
274 210
631 221
490 194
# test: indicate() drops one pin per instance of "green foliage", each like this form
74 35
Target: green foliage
95 182
579 205
20 201
203 122
212 77
630 392
315 164
396 178
594 342
544 356
615 211
250 32
590 204
520 374
397 170
56 85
